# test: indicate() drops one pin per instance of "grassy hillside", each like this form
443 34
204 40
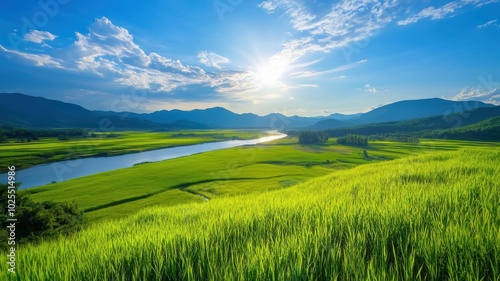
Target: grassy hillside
488 130
429 217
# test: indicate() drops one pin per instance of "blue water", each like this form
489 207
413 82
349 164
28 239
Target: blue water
71 169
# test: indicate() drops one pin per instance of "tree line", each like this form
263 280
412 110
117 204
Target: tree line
28 135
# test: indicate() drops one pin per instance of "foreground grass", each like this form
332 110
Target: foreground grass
241 170
430 217
47 150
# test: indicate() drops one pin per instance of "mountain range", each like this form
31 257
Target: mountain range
37 112
434 126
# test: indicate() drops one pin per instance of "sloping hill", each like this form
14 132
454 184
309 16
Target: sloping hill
432 217
40 112
422 124
488 130
411 109
37 112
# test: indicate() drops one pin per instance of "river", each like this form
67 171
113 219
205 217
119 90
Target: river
65 170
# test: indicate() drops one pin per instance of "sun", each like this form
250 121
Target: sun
270 74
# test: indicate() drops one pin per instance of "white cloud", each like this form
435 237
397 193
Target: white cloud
339 77
308 86
38 36
445 11
485 95
346 22
212 59
107 39
242 82
489 23
373 90
37 59
269 6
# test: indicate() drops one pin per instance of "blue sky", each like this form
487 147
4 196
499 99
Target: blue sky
295 57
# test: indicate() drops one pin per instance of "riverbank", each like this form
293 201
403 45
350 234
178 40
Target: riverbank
72 169
50 150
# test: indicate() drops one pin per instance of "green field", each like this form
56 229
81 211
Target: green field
47 150
433 216
240 170
281 211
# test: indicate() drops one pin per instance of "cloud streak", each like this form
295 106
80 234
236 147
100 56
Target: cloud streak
489 23
304 74
41 60
445 11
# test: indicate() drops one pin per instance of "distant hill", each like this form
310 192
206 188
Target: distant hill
36 112
339 116
330 124
435 126
411 109
219 117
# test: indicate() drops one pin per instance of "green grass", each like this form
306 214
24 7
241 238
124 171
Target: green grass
240 170
430 217
47 150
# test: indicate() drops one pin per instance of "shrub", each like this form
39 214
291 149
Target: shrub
39 220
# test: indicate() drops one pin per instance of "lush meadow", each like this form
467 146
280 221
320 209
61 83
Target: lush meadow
429 217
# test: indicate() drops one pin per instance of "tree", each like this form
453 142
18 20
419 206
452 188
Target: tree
353 140
365 154
39 220
310 137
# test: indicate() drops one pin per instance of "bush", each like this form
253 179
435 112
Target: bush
37 221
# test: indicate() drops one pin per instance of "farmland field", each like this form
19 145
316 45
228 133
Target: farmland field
433 216
247 169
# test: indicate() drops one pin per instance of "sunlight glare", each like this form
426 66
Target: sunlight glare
270 74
